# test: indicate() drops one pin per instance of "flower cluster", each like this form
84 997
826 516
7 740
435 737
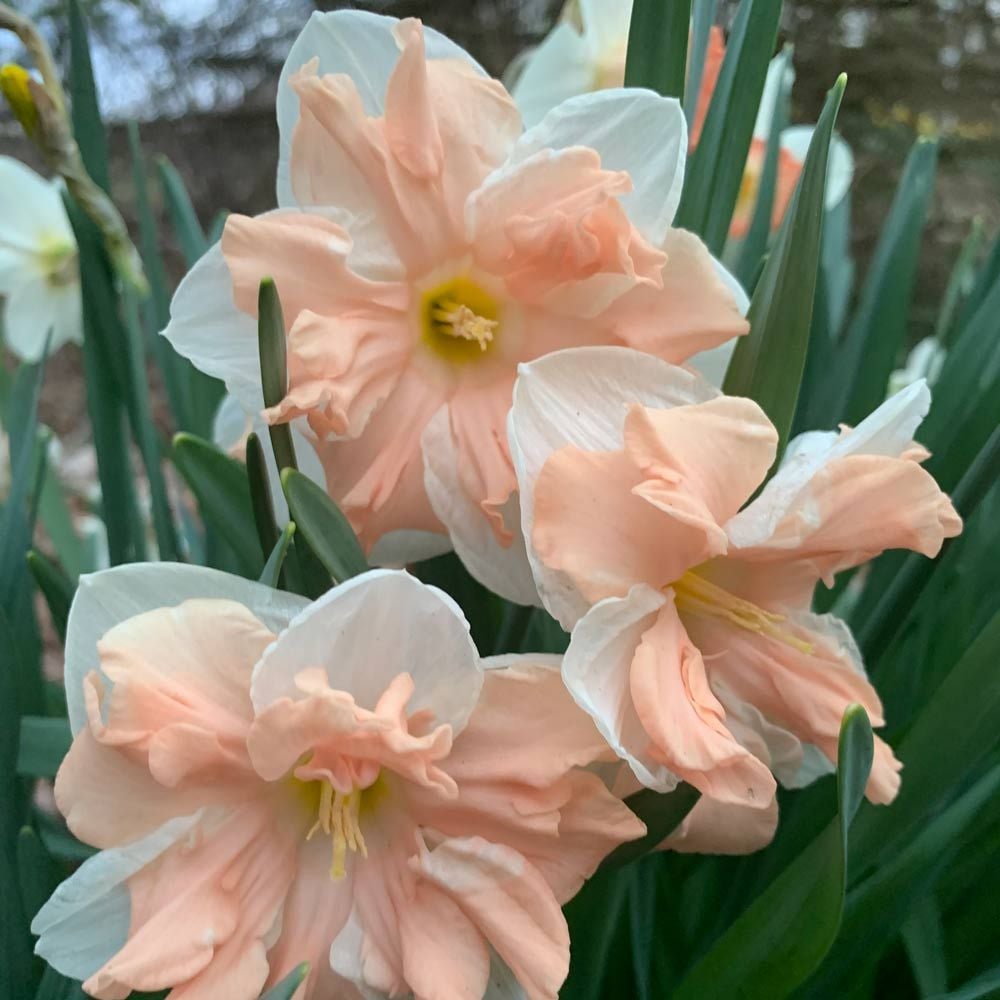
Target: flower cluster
493 338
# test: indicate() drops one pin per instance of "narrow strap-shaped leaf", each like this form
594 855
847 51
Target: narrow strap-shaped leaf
323 526
56 588
658 46
768 363
702 18
662 813
43 745
272 568
287 987
713 179
923 939
88 129
759 234
220 485
274 368
38 871
187 228
961 283
260 494
784 934
983 987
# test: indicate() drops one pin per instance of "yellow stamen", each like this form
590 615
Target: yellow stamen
338 817
458 320
695 594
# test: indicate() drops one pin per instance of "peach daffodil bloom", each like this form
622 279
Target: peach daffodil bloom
585 52
693 644
344 782
425 244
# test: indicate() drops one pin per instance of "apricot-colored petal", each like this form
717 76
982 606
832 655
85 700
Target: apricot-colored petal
341 368
378 477
579 397
701 463
714 827
502 568
804 691
201 910
692 309
552 227
363 633
511 904
684 720
714 56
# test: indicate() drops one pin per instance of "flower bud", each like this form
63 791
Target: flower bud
15 83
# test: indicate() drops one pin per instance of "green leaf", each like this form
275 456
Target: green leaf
662 813
272 568
274 368
513 630
657 46
260 494
702 18
781 938
56 588
88 129
287 987
759 234
187 228
715 173
768 362
963 716
877 331
38 872
220 485
43 745
323 526
923 939
986 985
961 282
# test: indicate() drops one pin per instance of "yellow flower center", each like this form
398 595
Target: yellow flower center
58 261
695 594
749 185
339 817
459 320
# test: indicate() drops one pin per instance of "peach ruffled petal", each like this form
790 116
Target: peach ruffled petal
552 226
789 170
511 904
686 723
201 911
802 690
690 311
343 736
714 55
714 827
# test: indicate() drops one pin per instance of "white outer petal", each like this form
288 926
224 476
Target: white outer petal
86 920
579 397
217 338
712 364
368 630
606 22
888 431
596 671
357 43
502 983
765 113
560 68
633 130
34 308
505 571
840 168
112 596
31 209
231 424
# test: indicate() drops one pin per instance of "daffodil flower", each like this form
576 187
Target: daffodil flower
343 783
39 271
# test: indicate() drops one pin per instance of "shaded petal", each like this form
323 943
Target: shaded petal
632 130
561 67
32 212
504 569
714 827
363 631
685 722
112 596
694 310
86 920
34 308
357 43
579 397
510 903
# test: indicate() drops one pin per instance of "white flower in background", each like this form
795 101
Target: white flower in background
923 362
39 273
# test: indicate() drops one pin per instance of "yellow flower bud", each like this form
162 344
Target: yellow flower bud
15 85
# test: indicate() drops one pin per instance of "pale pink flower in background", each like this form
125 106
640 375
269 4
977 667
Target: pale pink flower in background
343 782
693 644
424 246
